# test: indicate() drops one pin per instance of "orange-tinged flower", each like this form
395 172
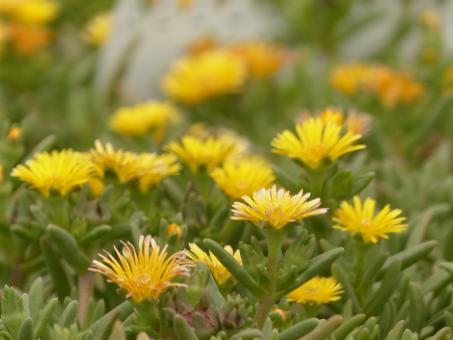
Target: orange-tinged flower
144 274
262 59
318 290
362 219
276 207
13 133
28 40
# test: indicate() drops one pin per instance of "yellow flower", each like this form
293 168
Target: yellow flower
243 177
361 219
276 207
430 19
148 168
262 59
35 12
144 274
183 4
349 78
13 133
196 152
315 142
332 115
99 29
61 171
220 273
154 168
317 290
194 79
201 44
139 119
174 228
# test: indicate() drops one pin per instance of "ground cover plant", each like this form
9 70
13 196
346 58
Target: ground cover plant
218 183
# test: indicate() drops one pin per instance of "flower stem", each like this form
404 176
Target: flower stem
274 242
85 293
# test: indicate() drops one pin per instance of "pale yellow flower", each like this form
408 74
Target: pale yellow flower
144 274
316 142
276 207
243 176
195 79
196 152
218 271
318 290
362 219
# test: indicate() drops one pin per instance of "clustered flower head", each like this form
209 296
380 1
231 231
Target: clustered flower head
60 171
98 29
392 87
316 141
194 79
208 151
144 274
318 290
218 270
243 176
25 25
139 119
361 218
276 207
147 168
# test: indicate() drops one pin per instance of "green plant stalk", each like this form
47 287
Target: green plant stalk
361 250
274 243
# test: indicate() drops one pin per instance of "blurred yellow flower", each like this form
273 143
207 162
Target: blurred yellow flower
262 59
276 207
13 133
154 168
98 29
430 19
7 6
174 228
185 3
243 176
209 152
201 44
60 171
360 218
34 12
2 175
318 290
447 80
349 78
28 40
144 274
147 168
139 119
315 142
194 79
218 271
332 115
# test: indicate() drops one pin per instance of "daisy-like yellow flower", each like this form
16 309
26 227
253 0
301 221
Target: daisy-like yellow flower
13 133
277 207
194 79
318 290
154 168
218 271
60 171
237 178
316 142
360 218
34 12
144 274
98 29
148 168
139 119
209 152
262 59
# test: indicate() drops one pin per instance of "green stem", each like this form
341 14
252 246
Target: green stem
361 250
274 242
